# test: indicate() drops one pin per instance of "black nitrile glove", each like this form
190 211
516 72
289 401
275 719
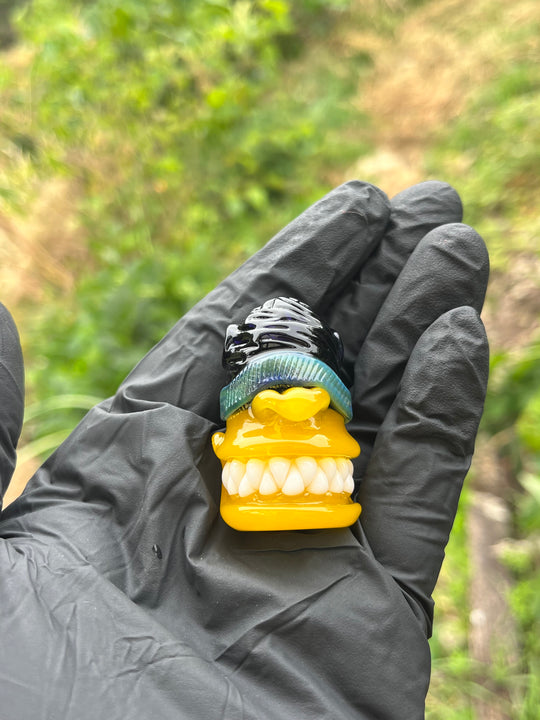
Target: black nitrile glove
124 595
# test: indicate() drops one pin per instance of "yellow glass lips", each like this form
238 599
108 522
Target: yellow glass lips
264 429
294 404
286 463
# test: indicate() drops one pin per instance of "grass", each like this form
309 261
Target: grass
452 683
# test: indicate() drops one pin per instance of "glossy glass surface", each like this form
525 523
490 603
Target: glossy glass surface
263 430
293 429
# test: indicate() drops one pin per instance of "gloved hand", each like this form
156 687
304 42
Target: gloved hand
123 593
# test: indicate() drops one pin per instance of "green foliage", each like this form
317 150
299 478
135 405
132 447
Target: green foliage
47 413
525 598
528 425
513 394
513 414
452 682
191 137
492 155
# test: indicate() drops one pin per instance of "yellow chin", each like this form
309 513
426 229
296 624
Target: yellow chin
305 513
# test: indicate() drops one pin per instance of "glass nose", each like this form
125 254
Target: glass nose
295 404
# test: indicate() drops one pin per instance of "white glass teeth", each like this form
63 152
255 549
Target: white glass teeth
280 469
237 470
294 484
316 476
308 468
319 485
268 484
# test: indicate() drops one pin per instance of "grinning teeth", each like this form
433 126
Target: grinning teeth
308 468
279 467
236 473
336 484
255 470
268 485
225 475
319 486
247 487
348 484
317 476
294 485
348 481
329 468
342 465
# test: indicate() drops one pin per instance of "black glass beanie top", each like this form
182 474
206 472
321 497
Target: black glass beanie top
281 324
282 343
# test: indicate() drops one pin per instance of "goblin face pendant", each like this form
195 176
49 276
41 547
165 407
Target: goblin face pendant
285 452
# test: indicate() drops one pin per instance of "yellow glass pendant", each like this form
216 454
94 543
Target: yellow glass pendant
286 464
285 453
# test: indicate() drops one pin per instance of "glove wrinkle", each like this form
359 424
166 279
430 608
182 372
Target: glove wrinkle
235 655
414 212
449 268
423 451
89 650
421 606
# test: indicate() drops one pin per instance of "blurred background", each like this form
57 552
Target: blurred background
146 149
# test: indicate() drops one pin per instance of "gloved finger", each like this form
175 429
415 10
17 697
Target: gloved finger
448 269
414 212
423 451
312 259
11 395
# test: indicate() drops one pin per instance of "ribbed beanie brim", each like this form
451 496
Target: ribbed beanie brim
284 369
